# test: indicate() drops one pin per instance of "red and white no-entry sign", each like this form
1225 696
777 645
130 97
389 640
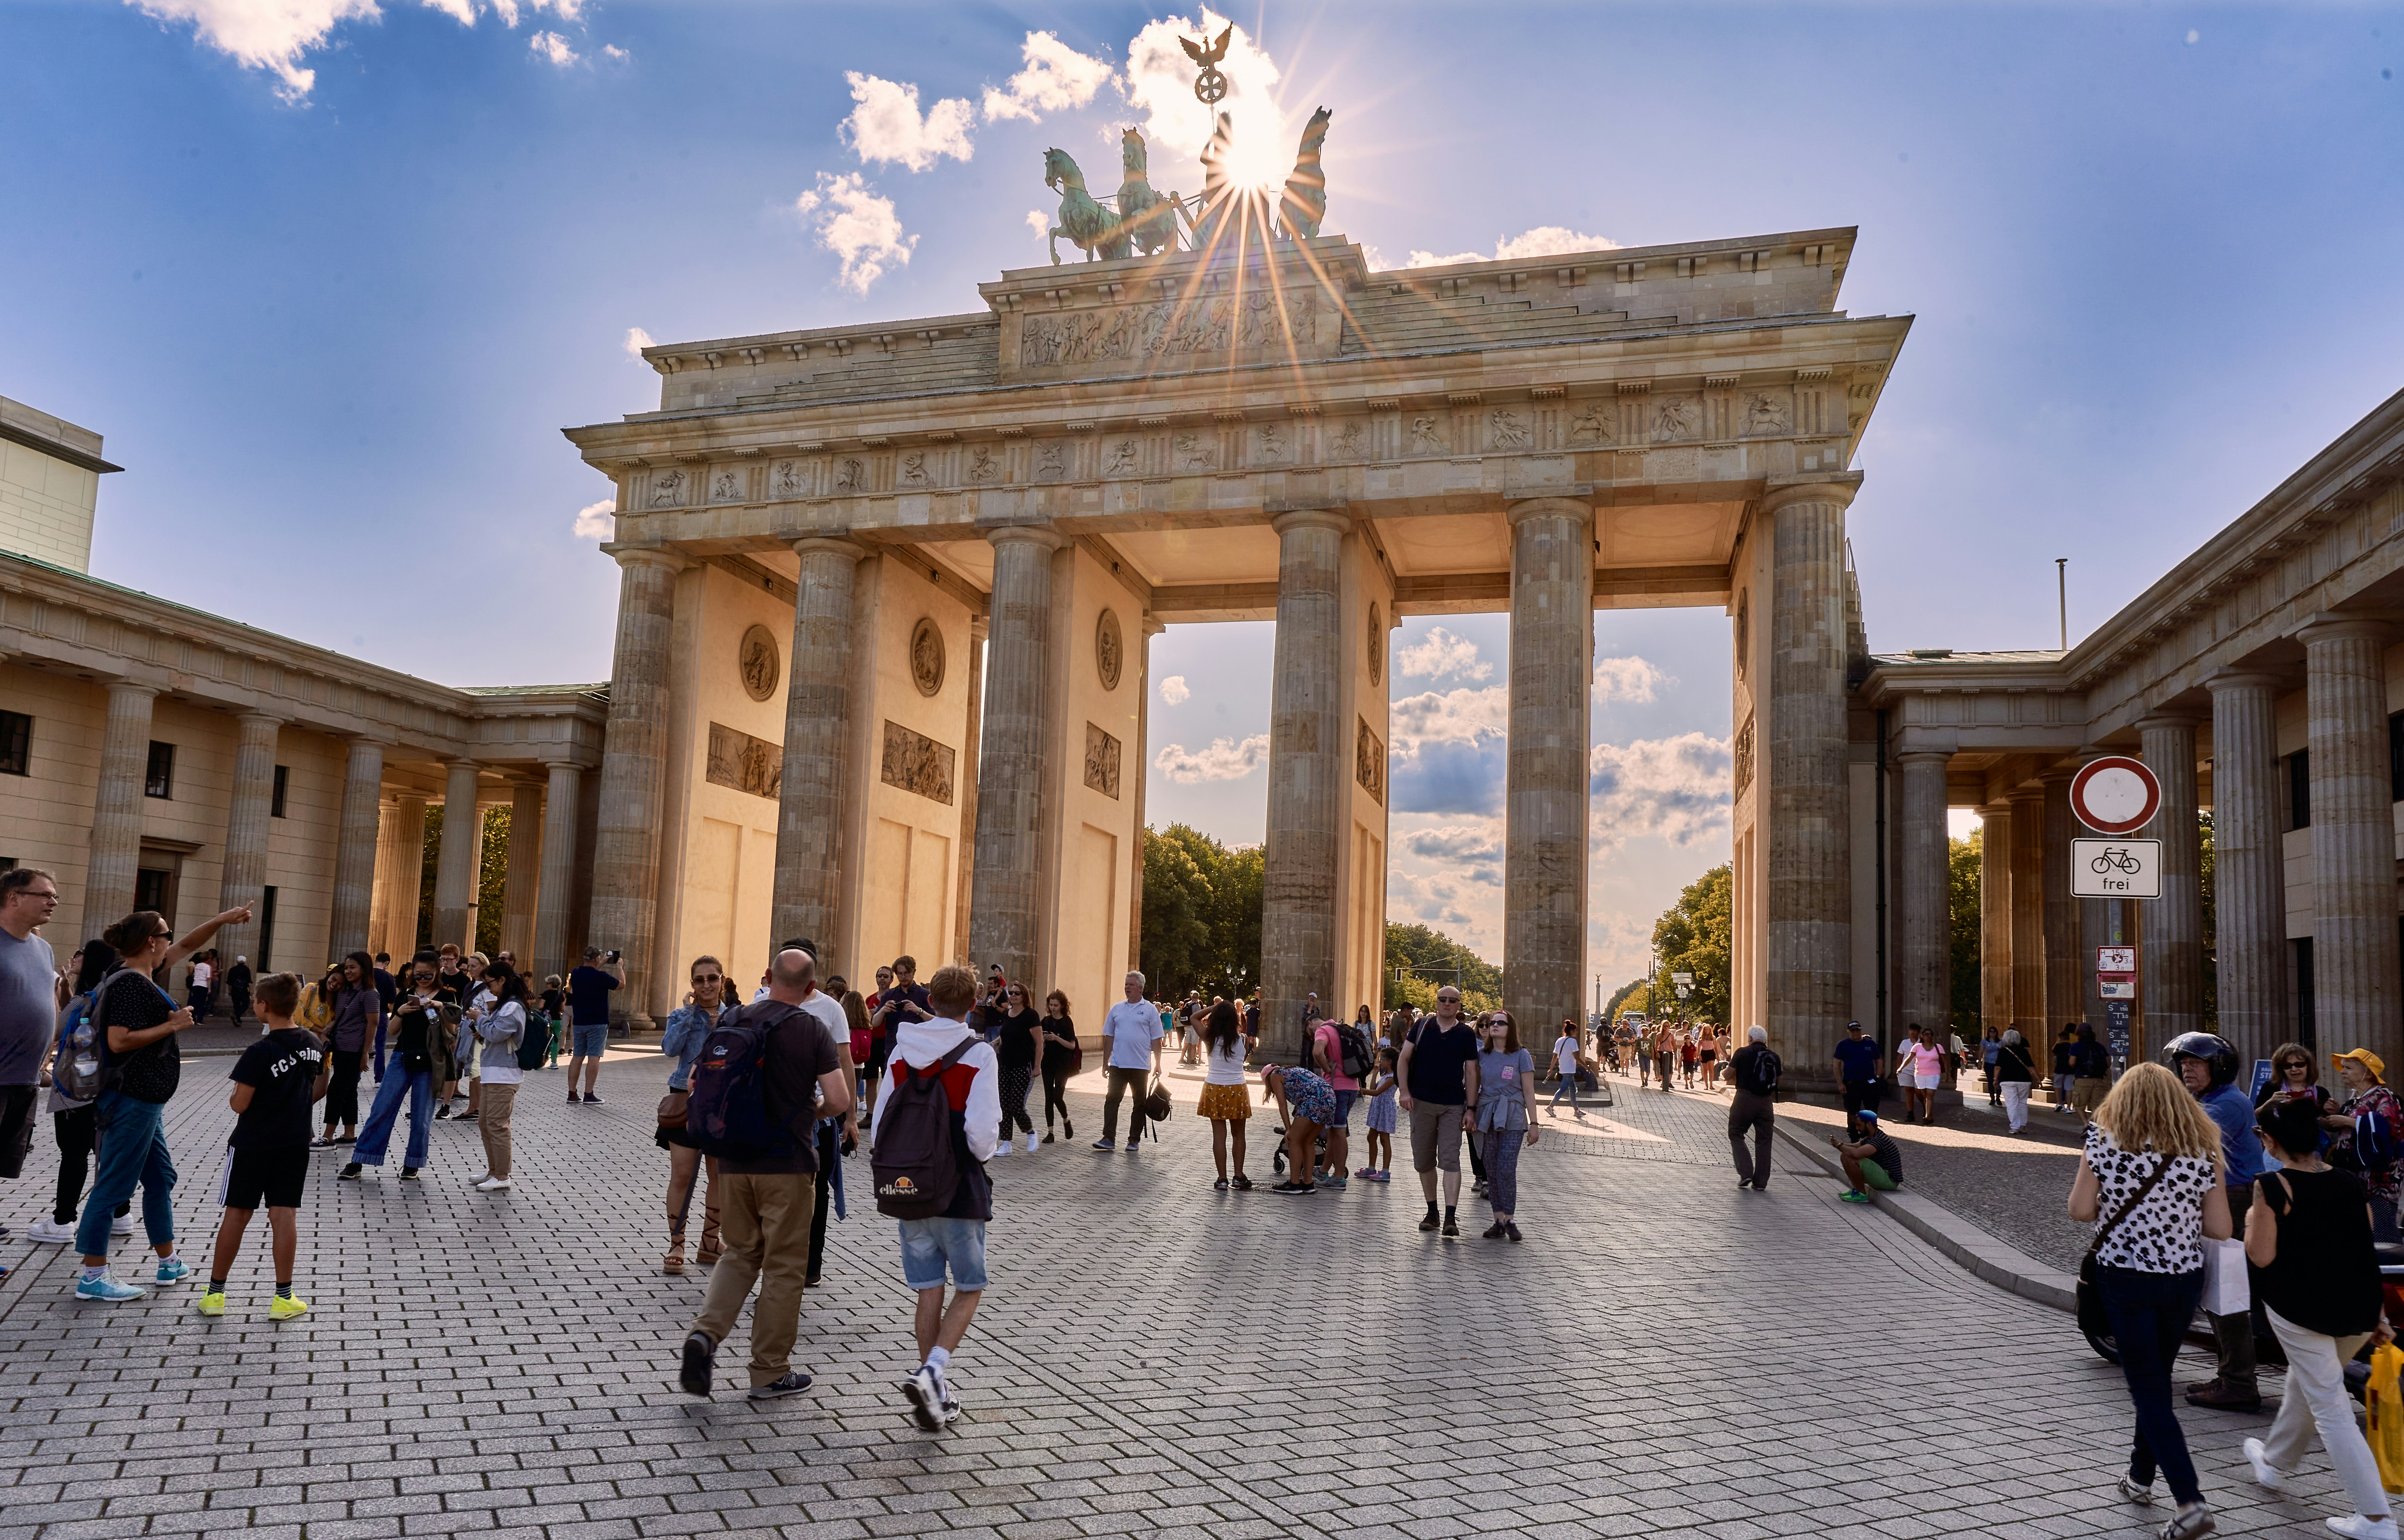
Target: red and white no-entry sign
2115 794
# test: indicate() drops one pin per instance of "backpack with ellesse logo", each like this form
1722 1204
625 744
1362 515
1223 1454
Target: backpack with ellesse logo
915 1164
728 1115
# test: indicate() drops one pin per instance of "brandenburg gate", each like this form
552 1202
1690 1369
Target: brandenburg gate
887 593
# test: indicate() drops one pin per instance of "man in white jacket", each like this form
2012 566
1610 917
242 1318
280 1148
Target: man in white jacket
955 1239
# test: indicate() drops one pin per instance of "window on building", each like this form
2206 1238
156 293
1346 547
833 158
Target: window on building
2302 973
275 801
16 744
266 932
159 780
150 886
2299 789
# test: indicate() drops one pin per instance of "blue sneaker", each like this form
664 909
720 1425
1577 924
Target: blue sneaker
172 1271
107 1288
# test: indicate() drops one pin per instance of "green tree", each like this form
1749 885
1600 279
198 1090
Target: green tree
1695 936
1235 919
492 880
1201 913
1629 995
1962 863
1425 959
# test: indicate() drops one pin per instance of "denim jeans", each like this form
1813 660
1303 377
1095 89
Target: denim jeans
2150 1312
375 1135
132 1149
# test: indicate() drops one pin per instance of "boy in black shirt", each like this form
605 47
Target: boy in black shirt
276 1081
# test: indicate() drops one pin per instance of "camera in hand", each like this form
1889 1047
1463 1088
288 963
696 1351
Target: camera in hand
613 955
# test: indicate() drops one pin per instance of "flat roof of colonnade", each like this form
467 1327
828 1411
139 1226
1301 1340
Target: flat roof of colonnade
1164 409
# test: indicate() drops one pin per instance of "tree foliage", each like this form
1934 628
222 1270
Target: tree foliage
1695 936
1426 959
1201 913
1961 857
492 880
1629 996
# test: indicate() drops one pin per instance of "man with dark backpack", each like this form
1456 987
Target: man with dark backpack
766 1073
1753 1070
938 1121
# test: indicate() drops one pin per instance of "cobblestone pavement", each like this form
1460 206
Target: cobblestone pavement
1154 1357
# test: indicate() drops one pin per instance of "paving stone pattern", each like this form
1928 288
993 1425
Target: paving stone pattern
1664 1355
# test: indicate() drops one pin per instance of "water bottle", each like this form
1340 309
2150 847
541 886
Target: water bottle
87 1060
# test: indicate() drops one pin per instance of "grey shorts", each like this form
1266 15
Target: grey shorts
593 1041
1436 1137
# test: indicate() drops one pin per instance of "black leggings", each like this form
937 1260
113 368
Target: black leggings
78 1136
1055 1094
342 1089
1014 1100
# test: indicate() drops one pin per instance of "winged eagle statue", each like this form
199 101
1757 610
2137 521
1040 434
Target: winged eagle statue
1209 86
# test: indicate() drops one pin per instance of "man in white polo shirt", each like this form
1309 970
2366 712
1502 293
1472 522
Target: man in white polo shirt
1131 1038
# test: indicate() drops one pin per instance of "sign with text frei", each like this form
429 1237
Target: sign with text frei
2115 868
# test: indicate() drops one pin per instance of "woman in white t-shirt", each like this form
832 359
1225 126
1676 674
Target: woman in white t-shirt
497 1018
1565 1064
1225 1100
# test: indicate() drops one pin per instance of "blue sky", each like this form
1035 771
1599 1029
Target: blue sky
334 332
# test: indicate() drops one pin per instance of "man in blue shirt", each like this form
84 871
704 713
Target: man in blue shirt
1857 1067
588 1005
2209 1066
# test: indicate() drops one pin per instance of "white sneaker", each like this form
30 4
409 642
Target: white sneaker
120 1224
1002 1149
924 1391
480 1181
49 1232
2136 1493
2355 1527
493 1184
1030 1141
2258 1455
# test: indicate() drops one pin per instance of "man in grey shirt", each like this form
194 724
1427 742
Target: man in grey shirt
29 1008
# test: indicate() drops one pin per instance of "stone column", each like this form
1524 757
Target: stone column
1925 889
818 741
2354 838
1152 628
634 773
964 853
1545 784
524 880
2064 999
408 877
1808 877
383 908
115 849
457 862
2170 963
1307 768
1995 915
555 890
355 851
247 823
2028 913
1005 913
2249 914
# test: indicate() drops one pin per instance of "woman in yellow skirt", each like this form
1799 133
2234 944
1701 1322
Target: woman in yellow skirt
1225 1100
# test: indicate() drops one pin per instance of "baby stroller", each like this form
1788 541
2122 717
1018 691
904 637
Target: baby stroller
1317 1153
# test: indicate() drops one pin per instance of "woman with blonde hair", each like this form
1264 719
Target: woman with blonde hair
2151 1174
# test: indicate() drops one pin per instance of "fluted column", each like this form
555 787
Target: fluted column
1809 813
354 850
247 808
1995 916
817 743
556 889
457 862
2063 998
116 850
634 773
1142 760
1925 889
383 909
1005 913
408 877
2170 976
964 853
2249 914
2028 912
1307 766
2354 838
1544 782
525 875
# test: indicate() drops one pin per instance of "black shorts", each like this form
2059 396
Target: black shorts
272 1179
17 1104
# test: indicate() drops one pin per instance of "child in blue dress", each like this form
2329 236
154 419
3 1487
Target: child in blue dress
1381 1121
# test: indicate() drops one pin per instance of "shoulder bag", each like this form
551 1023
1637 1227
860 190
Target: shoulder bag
2092 1318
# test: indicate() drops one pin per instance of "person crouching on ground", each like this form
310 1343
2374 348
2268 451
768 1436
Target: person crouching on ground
961 1122
1872 1163
277 1081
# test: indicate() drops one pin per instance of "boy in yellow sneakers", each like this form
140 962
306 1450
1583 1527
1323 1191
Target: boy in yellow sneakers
277 1081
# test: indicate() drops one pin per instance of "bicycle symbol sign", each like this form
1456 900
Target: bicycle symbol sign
2115 868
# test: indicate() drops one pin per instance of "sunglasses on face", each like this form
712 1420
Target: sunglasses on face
708 977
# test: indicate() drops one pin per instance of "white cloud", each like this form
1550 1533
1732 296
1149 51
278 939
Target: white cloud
1473 845
1676 789
1544 240
1439 901
612 51
887 126
1039 222
636 341
1450 716
857 226
1441 652
551 46
1173 690
1224 760
596 521
1057 79
275 34
566 10
1159 82
1626 679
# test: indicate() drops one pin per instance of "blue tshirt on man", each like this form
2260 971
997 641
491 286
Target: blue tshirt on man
588 994
2233 1111
1859 1056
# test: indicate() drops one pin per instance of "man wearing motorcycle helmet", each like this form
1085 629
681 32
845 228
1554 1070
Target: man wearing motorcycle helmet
2208 1065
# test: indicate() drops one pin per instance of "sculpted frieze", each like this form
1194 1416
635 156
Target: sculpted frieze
1675 417
1173 329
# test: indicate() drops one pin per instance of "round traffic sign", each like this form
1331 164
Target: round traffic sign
2115 794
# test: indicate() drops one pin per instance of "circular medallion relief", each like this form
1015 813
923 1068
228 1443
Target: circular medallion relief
1110 652
927 655
1377 647
756 658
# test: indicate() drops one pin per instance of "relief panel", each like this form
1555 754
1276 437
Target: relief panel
916 763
